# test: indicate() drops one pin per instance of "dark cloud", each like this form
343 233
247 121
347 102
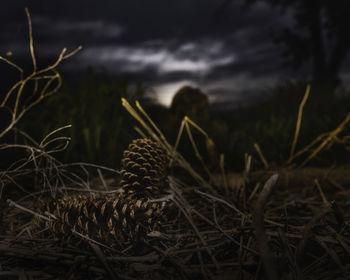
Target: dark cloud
227 52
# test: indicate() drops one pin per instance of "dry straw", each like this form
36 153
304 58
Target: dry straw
322 142
49 76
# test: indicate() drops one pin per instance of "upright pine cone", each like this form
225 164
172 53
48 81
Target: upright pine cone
144 166
126 217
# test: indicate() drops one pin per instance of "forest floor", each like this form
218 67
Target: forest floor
269 224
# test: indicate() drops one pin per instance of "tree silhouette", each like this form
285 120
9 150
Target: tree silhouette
191 102
320 35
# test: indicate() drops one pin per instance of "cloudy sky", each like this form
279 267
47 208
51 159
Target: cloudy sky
227 51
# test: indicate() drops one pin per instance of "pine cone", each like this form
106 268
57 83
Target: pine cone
113 221
119 220
144 168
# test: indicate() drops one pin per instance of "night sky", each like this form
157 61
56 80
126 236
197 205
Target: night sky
227 51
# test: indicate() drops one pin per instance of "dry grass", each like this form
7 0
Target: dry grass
47 81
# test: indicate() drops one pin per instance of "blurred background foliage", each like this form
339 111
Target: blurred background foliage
101 128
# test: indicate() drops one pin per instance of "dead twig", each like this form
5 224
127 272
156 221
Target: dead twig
189 219
323 196
261 155
307 232
298 124
265 252
230 205
103 260
14 204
